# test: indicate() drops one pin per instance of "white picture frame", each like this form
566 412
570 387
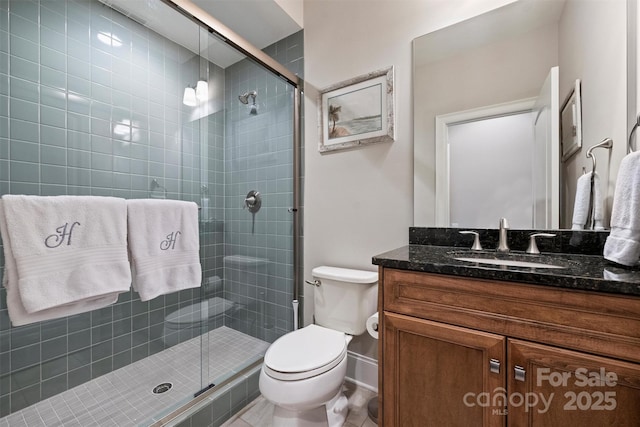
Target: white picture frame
357 112
571 123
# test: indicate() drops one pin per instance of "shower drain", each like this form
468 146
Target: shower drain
162 388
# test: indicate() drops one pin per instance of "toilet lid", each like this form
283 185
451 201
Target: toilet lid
195 313
305 352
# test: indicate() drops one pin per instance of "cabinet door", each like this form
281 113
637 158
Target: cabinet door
438 375
551 387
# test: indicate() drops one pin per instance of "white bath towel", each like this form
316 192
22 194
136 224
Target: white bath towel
623 244
582 203
54 270
165 246
17 313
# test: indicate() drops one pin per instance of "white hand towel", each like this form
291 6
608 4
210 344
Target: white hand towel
623 244
582 203
165 246
53 271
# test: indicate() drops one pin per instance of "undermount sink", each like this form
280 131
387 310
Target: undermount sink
508 262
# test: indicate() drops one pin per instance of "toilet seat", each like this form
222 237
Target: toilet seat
305 353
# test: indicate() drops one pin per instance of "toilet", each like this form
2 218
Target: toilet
188 322
303 371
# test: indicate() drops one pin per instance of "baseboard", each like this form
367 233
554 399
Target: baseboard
362 371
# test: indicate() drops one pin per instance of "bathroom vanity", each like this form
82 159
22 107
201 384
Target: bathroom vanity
466 343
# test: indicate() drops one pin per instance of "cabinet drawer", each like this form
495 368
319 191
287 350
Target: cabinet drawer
587 321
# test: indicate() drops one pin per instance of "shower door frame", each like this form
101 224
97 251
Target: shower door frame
232 39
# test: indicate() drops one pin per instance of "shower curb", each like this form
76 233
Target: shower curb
202 406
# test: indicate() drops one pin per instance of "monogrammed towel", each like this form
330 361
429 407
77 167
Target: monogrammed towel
63 255
165 246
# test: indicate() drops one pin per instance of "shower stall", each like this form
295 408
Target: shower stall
153 99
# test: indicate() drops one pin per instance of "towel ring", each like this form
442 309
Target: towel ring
605 143
631 134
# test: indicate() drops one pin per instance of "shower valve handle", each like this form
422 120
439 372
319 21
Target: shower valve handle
253 201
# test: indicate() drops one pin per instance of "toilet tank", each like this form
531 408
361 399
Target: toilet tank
345 298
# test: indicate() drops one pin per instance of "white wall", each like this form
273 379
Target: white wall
293 8
359 203
597 55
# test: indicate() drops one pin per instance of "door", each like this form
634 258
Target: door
546 155
551 387
483 171
440 375
490 171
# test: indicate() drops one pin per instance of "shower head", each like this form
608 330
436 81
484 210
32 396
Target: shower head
244 98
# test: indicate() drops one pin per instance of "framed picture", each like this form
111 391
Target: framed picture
357 112
571 123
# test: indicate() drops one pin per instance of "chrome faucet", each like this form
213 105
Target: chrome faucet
503 245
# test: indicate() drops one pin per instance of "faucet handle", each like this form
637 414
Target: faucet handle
533 247
476 241
504 223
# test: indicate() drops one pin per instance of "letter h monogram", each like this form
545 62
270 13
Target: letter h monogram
56 239
170 242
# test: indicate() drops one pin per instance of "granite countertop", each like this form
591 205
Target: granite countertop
587 272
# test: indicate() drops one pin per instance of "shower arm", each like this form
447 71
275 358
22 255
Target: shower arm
244 98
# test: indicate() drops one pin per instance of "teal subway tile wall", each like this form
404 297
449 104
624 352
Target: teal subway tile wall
82 117
91 104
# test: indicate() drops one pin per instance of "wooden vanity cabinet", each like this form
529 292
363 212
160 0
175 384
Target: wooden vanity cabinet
430 366
580 389
467 352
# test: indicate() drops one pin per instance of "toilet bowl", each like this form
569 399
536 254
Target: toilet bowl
303 371
191 320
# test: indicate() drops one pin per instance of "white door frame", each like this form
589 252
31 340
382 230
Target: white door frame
442 208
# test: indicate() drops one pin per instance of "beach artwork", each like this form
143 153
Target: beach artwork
357 112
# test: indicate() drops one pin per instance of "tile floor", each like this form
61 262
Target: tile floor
124 397
258 413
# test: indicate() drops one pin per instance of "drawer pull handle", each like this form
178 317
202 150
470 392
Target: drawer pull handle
519 373
494 366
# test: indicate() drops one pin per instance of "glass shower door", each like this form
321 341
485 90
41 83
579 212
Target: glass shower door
247 203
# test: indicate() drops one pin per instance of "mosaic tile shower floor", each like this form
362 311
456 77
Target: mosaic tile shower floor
125 398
